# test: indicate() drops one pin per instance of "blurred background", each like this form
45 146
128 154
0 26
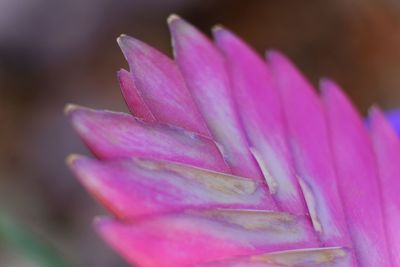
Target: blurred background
57 52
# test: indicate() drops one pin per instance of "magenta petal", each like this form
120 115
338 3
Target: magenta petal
196 237
262 118
137 187
308 135
357 177
161 85
387 151
204 71
311 257
133 97
112 135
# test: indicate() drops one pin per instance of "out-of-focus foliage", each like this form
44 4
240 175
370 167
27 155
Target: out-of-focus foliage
26 244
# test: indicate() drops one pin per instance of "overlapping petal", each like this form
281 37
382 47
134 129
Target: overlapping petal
260 110
357 177
133 97
309 139
194 237
387 150
161 86
319 257
114 135
137 187
205 74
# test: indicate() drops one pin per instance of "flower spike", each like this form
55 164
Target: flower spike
228 160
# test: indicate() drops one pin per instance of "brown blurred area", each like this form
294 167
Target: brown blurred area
57 52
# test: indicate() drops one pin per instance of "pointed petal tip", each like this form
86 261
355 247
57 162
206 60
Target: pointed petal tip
129 45
273 54
72 108
122 72
99 219
124 42
375 118
99 222
374 110
121 37
69 108
277 58
324 82
179 25
220 33
327 86
121 40
73 158
330 90
172 18
81 166
218 28
105 226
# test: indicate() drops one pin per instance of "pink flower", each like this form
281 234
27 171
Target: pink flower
231 160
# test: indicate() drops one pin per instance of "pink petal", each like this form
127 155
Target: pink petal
308 136
137 187
357 177
196 237
133 97
312 257
261 115
204 71
111 135
387 151
161 85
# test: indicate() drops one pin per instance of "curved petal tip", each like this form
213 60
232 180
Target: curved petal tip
173 17
70 108
274 54
72 159
218 28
